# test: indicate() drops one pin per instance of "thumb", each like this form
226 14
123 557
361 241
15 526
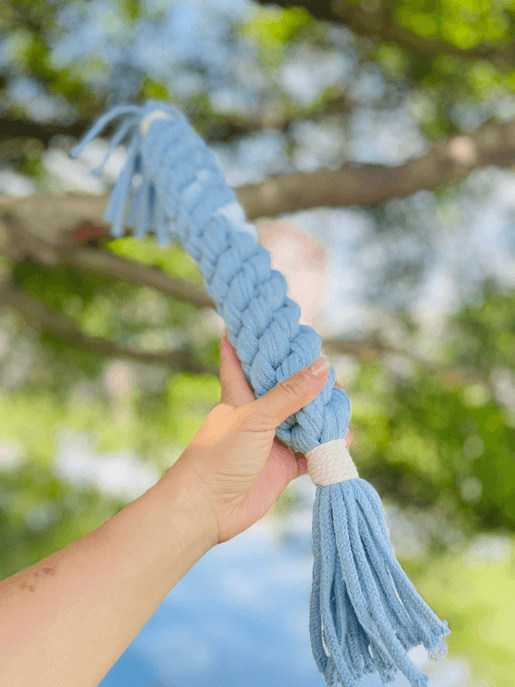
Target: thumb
289 396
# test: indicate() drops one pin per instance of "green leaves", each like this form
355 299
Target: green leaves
272 29
452 439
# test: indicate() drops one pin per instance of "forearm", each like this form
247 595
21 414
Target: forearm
67 619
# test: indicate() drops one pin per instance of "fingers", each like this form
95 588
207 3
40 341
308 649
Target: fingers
302 466
235 389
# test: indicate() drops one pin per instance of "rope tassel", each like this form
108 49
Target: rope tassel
365 614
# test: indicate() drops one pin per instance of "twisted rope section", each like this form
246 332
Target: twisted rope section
185 182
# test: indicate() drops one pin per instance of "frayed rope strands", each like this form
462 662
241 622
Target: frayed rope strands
365 614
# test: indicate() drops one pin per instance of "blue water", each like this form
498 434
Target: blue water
238 618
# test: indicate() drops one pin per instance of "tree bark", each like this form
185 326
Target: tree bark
362 184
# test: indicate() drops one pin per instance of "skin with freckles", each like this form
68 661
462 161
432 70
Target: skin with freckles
235 465
32 587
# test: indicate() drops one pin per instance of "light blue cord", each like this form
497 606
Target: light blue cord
365 614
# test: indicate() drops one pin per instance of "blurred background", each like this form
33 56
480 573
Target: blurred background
372 144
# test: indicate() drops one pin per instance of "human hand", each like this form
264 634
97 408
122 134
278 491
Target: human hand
235 468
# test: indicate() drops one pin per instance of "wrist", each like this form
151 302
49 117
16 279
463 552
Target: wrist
185 485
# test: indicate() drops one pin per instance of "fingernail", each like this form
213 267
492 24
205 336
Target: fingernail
319 366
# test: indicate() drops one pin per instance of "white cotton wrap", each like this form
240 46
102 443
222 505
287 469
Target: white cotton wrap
330 463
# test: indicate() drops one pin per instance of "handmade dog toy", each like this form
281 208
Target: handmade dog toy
365 614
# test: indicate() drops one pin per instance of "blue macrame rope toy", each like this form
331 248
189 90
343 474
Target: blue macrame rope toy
365 614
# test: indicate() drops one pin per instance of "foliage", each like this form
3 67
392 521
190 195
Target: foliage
475 589
432 439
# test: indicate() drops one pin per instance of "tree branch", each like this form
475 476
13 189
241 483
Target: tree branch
115 267
355 184
13 132
372 19
41 230
54 216
11 129
373 346
39 315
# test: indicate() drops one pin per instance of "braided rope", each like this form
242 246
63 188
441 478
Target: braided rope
262 322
